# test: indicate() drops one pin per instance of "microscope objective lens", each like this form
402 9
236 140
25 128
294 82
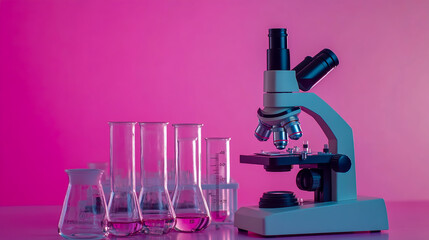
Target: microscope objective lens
263 131
293 127
280 138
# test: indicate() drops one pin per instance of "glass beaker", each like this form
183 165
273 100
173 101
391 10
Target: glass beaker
84 209
192 213
123 208
155 203
218 173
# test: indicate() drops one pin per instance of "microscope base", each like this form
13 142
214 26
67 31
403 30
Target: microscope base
363 214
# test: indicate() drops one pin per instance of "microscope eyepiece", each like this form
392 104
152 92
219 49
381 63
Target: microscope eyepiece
278 57
313 69
278 38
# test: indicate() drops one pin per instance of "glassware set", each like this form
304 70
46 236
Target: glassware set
153 211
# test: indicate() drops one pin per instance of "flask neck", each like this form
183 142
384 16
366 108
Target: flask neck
153 136
122 156
188 164
84 176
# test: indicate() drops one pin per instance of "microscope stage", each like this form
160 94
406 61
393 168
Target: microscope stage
283 160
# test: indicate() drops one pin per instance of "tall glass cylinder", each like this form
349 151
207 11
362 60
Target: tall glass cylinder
218 174
155 204
191 208
124 212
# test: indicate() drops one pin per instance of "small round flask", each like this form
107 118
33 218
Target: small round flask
84 211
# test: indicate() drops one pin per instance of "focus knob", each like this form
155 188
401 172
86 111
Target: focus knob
308 180
341 163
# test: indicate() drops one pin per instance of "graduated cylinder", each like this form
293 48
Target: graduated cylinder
218 174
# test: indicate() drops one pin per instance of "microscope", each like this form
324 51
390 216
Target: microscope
329 174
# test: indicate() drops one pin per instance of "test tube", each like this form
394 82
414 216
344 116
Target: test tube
218 174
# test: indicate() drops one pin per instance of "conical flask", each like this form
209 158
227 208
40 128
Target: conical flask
155 203
124 211
192 213
84 210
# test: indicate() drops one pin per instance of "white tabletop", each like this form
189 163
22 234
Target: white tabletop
407 220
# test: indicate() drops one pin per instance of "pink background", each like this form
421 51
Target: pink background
68 67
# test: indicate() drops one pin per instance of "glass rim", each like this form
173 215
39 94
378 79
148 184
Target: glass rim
218 138
187 124
119 122
143 123
83 170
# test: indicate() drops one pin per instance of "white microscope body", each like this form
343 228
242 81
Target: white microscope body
339 209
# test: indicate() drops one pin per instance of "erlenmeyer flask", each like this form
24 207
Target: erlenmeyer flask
155 203
192 213
123 208
84 210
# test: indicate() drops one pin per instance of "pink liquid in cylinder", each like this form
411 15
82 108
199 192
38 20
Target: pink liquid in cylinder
191 222
121 229
157 224
219 216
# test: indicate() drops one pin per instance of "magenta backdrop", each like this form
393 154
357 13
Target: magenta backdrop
68 67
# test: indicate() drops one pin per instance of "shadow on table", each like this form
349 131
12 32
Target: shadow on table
327 236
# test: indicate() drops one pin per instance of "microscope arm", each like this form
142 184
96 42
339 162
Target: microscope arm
338 132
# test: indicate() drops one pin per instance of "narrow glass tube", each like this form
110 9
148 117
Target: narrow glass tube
190 206
155 203
124 212
218 174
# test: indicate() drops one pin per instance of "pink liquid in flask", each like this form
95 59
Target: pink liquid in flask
119 228
157 223
192 222
219 216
